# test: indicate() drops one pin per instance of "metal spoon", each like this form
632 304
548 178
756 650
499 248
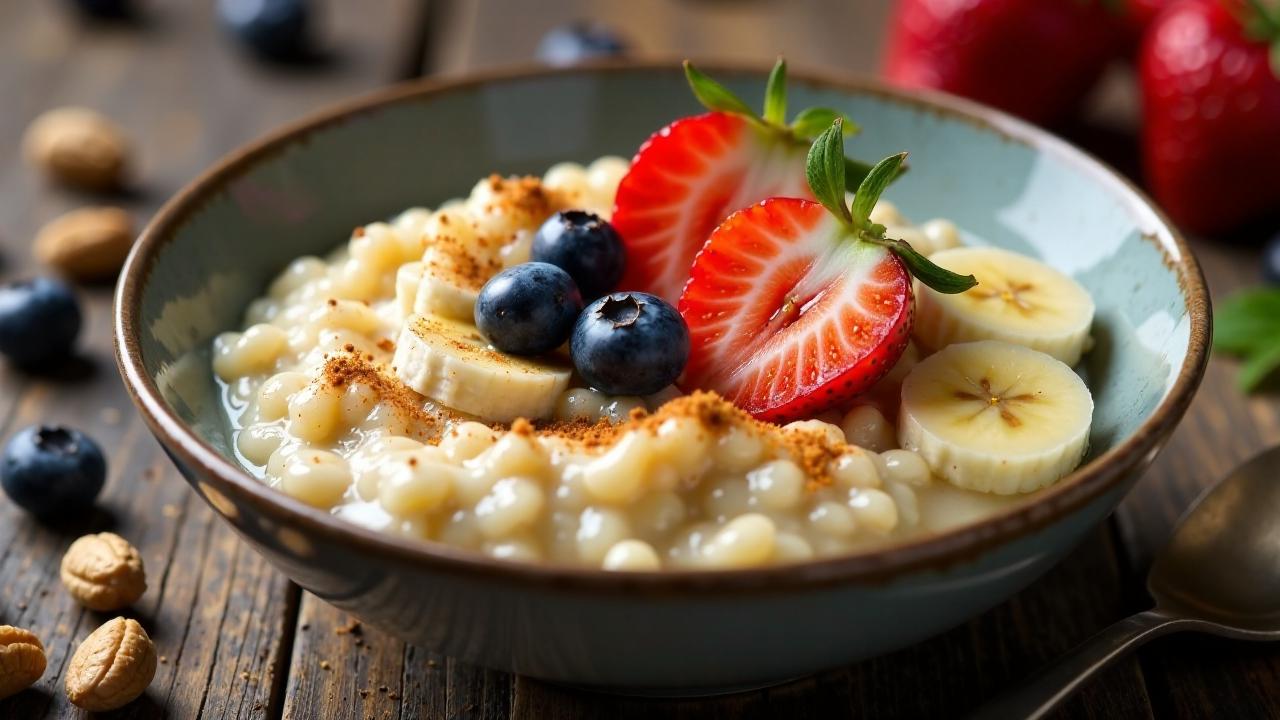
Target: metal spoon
1220 574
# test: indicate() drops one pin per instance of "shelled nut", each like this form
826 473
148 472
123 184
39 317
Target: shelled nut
78 147
86 244
22 660
112 667
103 572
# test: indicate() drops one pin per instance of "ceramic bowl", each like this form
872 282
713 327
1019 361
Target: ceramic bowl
214 247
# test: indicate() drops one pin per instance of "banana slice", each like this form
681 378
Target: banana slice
451 363
996 417
1017 299
443 289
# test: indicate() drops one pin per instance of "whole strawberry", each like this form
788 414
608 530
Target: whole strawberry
1034 58
1211 113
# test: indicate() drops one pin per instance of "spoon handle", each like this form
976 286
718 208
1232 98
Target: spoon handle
1044 692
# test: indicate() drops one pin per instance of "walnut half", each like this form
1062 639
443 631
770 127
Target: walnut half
103 572
112 667
22 660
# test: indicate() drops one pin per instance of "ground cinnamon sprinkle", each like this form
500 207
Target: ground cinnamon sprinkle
469 262
342 370
812 450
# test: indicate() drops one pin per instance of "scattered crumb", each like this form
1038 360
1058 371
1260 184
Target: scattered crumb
352 627
164 659
382 688
244 676
324 665
305 627
364 693
393 695
432 663
22 606
170 511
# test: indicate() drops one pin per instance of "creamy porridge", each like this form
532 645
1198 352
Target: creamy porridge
362 383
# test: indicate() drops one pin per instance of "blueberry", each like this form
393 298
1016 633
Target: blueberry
1271 261
586 247
39 321
52 470
577 42
274 29
528 309
630 343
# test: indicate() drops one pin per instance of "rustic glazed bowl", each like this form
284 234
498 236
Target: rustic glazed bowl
214 247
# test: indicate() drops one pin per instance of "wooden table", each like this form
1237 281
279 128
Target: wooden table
238 640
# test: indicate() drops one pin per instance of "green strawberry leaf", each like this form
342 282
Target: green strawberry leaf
811 122
1258 367
1247 325
923 269
1248 322
873 186
825 169
775 94
807 125
713 95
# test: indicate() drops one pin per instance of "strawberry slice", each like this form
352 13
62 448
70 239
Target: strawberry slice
690 175
796 306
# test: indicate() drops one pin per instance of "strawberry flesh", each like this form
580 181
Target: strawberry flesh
687 178
788 316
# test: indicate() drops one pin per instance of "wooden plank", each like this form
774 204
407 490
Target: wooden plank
220 616
344 670
838 37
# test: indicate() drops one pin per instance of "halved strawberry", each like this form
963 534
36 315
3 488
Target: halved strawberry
793 307
690 175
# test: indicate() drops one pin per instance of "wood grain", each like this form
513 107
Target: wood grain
220 616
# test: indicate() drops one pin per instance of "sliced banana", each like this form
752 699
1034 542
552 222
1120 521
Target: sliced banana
451 363
1017 299
996 417
443 290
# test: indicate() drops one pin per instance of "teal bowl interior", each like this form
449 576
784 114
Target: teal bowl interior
303 196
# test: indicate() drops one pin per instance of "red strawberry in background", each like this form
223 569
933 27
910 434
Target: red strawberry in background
1033 58
693 173
1211 113
795 306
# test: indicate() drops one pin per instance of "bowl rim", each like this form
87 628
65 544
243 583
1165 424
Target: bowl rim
934 551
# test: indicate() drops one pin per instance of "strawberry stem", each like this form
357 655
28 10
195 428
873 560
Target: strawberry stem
775 95
804 127
825 171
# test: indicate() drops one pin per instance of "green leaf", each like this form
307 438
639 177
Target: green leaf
873 186
923 269
1248 322
1259 366
775 94
811 122
712 94
825 170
